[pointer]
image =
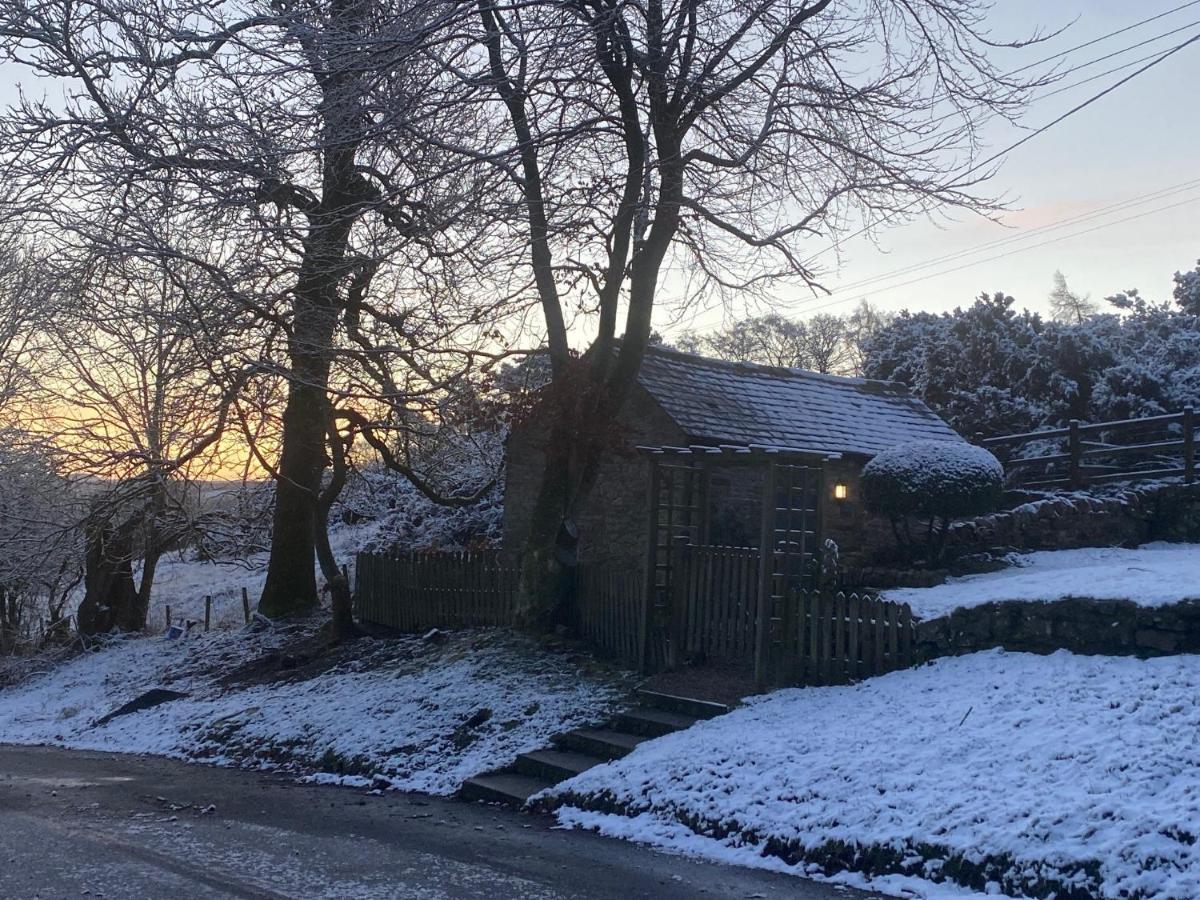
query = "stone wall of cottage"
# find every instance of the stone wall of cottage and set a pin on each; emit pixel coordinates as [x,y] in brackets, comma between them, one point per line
[613,526]
[860,535]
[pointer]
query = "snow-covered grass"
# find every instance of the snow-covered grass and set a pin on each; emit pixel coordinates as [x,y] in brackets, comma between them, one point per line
[999,771]
[182,582]
[401,713]
[1151,575]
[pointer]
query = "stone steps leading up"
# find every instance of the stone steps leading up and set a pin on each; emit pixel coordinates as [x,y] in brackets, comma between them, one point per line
[509,788]
[653,722]
[697,709]
[577,751]
[558,765]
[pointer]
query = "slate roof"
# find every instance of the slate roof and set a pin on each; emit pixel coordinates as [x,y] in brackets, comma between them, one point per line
[719,402]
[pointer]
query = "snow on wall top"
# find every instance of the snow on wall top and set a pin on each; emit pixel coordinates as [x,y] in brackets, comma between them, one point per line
[716,401]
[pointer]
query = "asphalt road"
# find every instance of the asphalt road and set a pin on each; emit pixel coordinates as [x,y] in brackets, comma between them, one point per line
[78,824]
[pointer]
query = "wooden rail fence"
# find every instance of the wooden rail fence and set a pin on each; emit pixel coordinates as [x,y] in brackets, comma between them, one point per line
[418,591]
[1126,449]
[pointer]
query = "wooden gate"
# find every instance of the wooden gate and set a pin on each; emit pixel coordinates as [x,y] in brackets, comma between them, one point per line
[812,636]
[789,486]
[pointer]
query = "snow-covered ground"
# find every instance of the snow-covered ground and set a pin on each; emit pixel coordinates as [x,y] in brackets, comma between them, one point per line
[1009,773]
[400,713]
[1150,575]
[182,583]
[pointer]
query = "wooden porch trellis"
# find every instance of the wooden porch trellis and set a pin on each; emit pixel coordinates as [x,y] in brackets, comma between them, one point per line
[788,543]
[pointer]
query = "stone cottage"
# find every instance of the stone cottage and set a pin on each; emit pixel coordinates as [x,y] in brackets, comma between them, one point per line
[695,441]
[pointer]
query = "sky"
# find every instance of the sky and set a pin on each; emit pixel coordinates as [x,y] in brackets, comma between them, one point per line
[1129,148]
[1133,143]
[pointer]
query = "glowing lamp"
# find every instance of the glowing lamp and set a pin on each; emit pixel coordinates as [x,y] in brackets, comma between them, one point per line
[840,491]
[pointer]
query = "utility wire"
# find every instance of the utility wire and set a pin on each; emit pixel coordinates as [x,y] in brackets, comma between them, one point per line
[1104,37]
[1084,65]
[1141,215]
[1079,107]
[1077,219]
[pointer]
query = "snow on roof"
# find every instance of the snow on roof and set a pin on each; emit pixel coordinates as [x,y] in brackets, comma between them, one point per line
[720,402]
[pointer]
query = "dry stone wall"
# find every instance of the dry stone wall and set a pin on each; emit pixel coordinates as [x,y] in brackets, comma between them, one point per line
[1080,625]
[1119,517]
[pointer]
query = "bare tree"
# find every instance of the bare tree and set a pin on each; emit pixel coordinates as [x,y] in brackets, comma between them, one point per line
[861,326]
[771,340]
[24,304]
[680,149]
[826,348]
[295,124]
[1068,306]
[144,366]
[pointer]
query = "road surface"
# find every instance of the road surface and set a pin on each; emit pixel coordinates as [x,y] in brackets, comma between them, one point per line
[80,824]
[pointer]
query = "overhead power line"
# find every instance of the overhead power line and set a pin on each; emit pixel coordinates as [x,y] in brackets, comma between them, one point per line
[1079,107]
[1088,64]
[1065,237]
[1024,235]
[1105,37]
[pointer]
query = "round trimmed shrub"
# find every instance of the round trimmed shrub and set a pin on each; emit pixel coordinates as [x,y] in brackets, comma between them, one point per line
[942,479]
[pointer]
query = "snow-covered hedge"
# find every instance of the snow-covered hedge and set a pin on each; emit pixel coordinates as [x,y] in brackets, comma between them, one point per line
[946,479]
[398,517]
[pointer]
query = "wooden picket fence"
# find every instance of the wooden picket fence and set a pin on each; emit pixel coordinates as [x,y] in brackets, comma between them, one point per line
[824,638]
[714,602]
[813,637]
[608,611]
[418,591]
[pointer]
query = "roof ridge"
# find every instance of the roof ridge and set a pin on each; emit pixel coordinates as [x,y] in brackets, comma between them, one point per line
[896,387]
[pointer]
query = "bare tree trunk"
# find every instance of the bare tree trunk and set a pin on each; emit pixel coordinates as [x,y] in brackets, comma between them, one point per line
[291,585]
[551,545]
[342,622]
[110,600]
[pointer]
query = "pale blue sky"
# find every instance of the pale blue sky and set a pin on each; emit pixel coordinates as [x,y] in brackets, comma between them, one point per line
[1141,139]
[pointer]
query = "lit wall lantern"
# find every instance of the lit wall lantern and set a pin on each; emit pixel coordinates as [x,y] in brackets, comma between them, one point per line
[841,491]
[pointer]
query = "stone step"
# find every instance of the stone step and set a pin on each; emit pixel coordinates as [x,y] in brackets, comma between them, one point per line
[699,709]
[509,788]
[653,722]
[557,765]
[602,742]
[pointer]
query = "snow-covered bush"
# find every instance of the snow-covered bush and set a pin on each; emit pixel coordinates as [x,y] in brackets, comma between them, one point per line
[394,516]
[989,369]
[935,481]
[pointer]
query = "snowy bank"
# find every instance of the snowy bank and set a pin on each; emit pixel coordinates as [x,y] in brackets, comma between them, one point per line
[399,713]
[1151,575]
[1001,772]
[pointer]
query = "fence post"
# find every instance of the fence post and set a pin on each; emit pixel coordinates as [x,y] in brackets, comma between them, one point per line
[1189,445]
[246,605]
[207,611]
[168,608]
[681,563]
[645,624]
[1075,449]
[766,574]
